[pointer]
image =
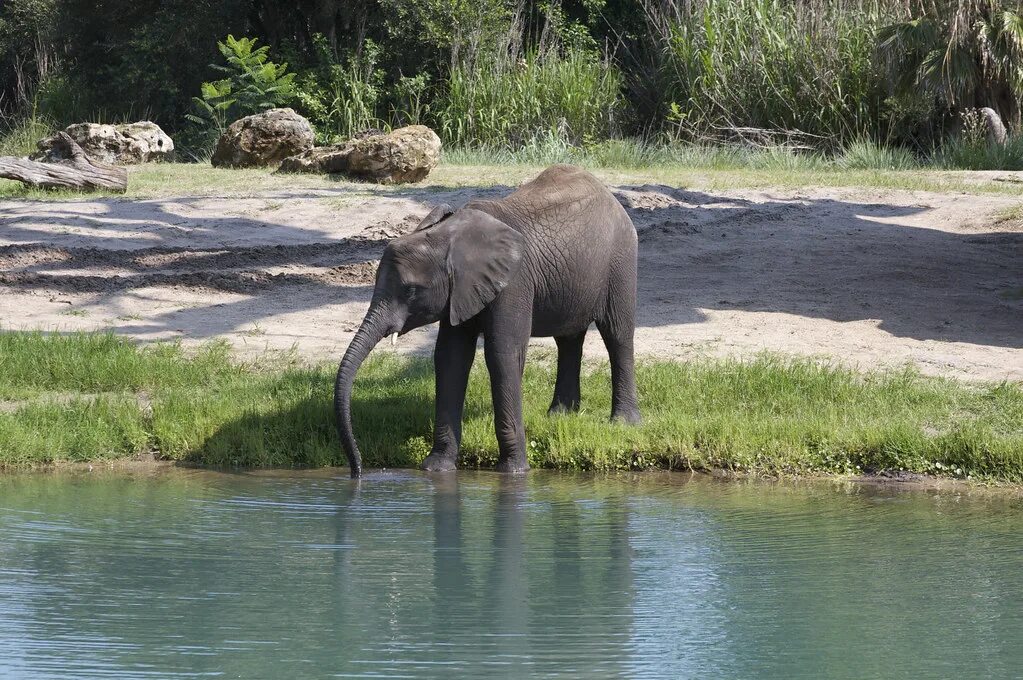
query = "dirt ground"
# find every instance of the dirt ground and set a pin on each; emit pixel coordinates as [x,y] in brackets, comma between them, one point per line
[868,277]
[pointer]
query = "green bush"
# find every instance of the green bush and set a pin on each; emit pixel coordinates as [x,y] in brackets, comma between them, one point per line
[341,98]
[961,54]
[864,154]
[961,153]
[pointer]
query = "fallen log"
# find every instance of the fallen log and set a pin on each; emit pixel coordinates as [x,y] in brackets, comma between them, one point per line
[78,171]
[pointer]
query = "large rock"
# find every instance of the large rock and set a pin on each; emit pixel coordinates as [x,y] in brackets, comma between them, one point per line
[994,128]
[407,154]
[263,139]
[125,144]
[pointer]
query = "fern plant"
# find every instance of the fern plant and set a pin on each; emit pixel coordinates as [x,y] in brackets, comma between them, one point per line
[251,83]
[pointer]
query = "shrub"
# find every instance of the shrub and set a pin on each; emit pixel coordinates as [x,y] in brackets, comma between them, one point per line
[252,84]
[962,54]
[341,98]
[963,153]
[972,150]
[864,154]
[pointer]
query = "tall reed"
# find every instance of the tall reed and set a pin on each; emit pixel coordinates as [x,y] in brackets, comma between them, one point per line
[575,96]
[803,67]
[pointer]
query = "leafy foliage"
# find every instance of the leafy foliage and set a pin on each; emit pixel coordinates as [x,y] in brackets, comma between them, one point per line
[341,97]
[252,83]
[962,53]
[533,75]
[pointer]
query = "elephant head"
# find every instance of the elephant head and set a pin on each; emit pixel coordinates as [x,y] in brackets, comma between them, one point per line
[451,266]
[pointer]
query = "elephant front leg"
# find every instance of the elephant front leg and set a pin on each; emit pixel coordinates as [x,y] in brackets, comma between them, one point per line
[506,361]
[452,360]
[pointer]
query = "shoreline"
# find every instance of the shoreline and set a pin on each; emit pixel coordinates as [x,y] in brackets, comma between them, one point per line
[892,480]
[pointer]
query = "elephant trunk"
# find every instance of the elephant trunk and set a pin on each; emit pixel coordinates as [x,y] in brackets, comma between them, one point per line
[372,331]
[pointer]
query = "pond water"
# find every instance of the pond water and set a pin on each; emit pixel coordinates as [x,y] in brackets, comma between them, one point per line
[187,573]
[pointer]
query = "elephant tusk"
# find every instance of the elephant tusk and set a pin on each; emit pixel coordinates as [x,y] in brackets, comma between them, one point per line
[394,339]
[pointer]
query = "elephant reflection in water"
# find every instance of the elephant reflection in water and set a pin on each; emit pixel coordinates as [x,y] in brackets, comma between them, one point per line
[553,593]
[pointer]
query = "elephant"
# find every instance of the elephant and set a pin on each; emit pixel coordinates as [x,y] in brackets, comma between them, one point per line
[554,256]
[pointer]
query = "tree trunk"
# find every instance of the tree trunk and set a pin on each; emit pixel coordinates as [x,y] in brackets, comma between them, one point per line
[77,172]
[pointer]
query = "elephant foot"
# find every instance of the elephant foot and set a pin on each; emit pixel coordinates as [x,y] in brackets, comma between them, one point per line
[512,465]
[627,417]
[562,407]
[438,463]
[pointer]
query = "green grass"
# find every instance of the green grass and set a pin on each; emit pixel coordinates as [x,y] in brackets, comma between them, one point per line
[91,397]
[621,162]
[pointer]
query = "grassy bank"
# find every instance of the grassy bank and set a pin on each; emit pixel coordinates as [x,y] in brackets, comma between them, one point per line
[705,170]
[95,397]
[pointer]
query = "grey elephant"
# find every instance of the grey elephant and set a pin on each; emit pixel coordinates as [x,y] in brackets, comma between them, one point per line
[554,256]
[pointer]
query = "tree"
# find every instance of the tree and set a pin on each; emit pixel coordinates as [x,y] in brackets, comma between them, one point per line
[963,53]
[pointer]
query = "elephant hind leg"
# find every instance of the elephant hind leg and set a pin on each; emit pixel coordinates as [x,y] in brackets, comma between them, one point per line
[617,328]
[566,389]
[624,399]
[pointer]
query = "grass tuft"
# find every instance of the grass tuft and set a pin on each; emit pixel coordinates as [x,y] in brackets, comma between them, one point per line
[88,397]
[965,154]
[864,154]
[21,137]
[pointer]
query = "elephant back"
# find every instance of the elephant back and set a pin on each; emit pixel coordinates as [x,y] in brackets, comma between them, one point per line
[564,201]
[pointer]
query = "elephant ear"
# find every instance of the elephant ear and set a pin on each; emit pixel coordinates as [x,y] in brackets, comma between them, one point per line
[436,215]
[485,253]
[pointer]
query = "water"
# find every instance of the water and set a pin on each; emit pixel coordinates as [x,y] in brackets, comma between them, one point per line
[186,574]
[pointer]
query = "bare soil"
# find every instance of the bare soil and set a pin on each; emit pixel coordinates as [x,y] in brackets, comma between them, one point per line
[867,277]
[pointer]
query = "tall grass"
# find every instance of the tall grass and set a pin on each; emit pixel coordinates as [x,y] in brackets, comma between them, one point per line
[864,154]
[20,136]
[571,97]
[962,153]
[87,397]
[775,65]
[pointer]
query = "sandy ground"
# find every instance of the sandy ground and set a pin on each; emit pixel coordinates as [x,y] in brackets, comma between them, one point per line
[865,276]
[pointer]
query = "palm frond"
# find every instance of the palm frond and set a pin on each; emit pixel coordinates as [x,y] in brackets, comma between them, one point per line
[902,49]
